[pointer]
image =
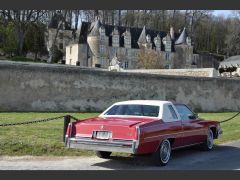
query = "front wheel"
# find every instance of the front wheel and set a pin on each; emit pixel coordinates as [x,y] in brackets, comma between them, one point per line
[162,155]
[103,154]
[208,144]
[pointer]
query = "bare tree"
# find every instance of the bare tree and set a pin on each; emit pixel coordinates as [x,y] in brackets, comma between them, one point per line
[149,59]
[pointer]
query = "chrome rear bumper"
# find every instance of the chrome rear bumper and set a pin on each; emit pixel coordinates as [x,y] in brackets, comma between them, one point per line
[127,146]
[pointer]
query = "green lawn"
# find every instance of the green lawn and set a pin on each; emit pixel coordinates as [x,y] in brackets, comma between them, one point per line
[231,129]
[36,139]
[46,138]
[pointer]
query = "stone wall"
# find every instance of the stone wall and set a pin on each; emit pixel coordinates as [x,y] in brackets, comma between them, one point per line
[201,72]
[207,60]
[61,88]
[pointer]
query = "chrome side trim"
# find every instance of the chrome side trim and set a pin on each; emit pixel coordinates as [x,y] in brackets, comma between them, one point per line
[180,147]
[187,131]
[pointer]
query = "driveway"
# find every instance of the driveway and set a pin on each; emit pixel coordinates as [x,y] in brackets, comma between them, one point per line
[223,157]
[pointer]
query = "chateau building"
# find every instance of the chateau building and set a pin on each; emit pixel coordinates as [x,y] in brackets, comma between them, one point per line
[100,43]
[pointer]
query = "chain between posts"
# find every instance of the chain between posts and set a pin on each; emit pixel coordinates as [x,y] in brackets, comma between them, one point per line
[74,118]
[37,121]
[226,120]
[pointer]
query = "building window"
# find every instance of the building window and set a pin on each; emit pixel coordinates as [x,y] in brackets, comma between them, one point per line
[167,56]
[60,45]
[126,65]
[70,49]
[60,35]
[102,48]
[102,37]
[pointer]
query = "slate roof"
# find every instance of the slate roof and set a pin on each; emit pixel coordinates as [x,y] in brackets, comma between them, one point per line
[135,34]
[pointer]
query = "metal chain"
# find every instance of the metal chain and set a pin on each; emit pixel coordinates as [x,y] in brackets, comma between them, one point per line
[31,122]
[230,118]
[74,118]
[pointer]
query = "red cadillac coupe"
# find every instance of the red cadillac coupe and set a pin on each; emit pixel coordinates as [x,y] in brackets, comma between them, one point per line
[143,127]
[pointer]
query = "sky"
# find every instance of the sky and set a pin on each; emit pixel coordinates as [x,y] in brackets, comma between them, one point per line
[224,13]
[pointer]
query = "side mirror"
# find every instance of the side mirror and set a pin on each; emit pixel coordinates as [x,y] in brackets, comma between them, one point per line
[193,116]
[196,115]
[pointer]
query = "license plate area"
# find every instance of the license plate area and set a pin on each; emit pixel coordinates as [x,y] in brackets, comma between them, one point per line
[102,135]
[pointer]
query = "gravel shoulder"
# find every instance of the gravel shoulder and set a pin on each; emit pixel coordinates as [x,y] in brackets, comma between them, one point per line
[223,157]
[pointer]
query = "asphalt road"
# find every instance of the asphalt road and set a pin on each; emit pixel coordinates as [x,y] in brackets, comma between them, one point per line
[223,157]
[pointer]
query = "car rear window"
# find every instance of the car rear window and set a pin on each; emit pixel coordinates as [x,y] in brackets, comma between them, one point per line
[134,110]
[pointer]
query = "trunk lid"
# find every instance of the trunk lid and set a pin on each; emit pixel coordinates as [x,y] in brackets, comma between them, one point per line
[118,127]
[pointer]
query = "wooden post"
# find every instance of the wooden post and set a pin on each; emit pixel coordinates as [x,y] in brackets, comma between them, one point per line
[67,120]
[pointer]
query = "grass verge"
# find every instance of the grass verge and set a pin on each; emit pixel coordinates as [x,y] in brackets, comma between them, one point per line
[46,138]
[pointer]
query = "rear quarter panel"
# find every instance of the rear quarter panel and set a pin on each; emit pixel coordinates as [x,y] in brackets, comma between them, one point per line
[153,133]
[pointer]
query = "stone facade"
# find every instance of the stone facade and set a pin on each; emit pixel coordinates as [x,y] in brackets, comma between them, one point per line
[105,42]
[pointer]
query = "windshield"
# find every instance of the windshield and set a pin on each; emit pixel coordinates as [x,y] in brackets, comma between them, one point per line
[134,110]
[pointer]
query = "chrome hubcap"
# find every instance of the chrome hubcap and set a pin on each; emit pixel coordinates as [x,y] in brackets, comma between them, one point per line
[165,151]
[210,139]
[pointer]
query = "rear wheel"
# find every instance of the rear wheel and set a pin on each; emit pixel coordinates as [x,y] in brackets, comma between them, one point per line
[208,144]
[103,154]
[162,155]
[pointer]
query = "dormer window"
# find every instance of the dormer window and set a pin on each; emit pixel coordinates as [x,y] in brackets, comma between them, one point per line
[168,44]
[127,42]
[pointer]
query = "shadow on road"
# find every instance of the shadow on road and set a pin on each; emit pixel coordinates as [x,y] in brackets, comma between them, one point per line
[223,157]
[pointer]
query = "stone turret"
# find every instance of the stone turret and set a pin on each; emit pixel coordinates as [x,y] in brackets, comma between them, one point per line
[93,41]
[182,38]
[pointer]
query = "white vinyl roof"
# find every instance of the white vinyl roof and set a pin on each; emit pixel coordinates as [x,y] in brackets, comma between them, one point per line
[163,111]
[144,102]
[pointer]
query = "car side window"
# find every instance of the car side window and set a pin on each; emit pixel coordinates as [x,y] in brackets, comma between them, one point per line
[169,114]
[172,111]
[184,111]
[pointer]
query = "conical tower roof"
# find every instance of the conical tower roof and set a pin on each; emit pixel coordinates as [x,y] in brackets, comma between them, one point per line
[94,28]
[182,38]
[142,38]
